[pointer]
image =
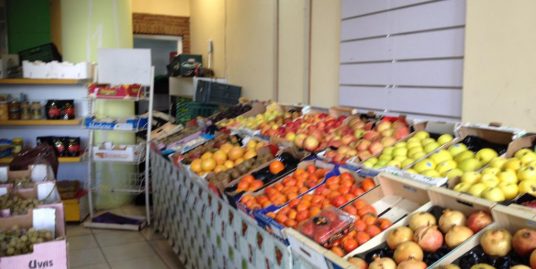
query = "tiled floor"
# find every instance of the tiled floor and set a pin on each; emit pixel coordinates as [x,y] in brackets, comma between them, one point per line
[111,249]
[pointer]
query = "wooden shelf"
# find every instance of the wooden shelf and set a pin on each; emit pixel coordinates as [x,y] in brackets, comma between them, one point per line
[40,122]
[7,160]
[30,81]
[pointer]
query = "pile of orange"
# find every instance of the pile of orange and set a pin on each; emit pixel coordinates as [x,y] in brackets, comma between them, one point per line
[249,183]
[337,191]
[366,226]
[287,189]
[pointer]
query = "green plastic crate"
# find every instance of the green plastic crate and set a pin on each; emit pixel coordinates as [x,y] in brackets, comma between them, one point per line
[188,110]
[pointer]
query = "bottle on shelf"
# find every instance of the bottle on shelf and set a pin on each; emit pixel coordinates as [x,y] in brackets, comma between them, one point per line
[4,110]
[14,109]
[36,110]
[25,113]
[18,144]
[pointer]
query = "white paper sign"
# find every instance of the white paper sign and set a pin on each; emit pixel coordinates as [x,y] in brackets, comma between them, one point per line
[45,219]
[46,190]
[3,191]
[124,66]
[39,172]
[3,173]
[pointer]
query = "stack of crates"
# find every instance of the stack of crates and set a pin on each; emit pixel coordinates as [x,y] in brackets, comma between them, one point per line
[186,110]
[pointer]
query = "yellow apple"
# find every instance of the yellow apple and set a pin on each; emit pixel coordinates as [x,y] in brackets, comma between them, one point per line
[431,173]
[388,150]
[522,152]
[491,170]
[454,173]
[464,155]
[490,180]
[462,187]
[424,165]
[526,173]
[477,189]
[445,166]
[497,162]
[470,164]
[507,176]
[528,158]
[485,155]
[407,162]
[510,190]
[441,156]
[427,141]
[457,149]
[400,145]
[417,155]
[421,135]
[512,164]
[411,171]
[493,194]
[444,139]
[527,186]
[471,177]
[394,163]
[431,147]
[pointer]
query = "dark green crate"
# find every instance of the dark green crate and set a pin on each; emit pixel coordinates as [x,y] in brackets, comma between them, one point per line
[188,110]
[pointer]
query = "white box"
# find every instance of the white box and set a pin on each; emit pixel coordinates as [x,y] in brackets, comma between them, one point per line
[36,69]
[118,153]
[67,70]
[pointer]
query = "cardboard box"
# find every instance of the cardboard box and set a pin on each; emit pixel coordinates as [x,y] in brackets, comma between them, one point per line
[67,70]
[393,199]
[45,192]
[76,209]
[51,254]
[130,124]
[508,218]
[119,153]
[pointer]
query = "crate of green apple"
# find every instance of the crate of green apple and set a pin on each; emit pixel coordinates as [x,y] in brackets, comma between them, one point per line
[506,178]
[431,232]
[508,243]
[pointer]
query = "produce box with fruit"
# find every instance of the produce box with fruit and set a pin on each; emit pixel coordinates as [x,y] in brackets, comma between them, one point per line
[308,175]
[340,187]
[15,201]
[374,212]
[266,174]
[429,233]
[508,243]
[35,240]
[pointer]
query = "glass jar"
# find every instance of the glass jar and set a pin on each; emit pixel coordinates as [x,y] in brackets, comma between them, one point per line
[25,113]
[14,110]
[4,111]
[18,144]
[36,110]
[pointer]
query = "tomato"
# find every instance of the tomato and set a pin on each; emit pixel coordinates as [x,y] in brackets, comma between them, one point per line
[362,237]
[276,167]
[349,244]
[368,184]
[373,230]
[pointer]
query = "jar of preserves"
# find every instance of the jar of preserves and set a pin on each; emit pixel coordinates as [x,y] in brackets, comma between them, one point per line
[36,110]
[18,143]
[4,111]
[25,113]
[14,110]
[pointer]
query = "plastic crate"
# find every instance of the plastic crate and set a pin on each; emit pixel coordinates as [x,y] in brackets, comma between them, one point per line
[45,53]
[188,110]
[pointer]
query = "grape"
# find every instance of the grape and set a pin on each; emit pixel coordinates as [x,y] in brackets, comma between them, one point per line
[17,205]
[17,240]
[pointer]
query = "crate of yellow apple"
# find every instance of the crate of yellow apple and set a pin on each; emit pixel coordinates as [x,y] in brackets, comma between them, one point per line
[225,157]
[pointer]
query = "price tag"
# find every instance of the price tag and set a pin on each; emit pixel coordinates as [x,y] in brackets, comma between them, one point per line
[45,219]
[3,173]
[39,172]
[46,190]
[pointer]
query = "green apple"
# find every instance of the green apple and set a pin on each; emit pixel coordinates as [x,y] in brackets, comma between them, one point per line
[528,158]
[407,162]
[527,186]
[381,163]
[431,147]
[491,170]
[388,150]
[444,139]
[441,156]
[507,176]
[464,155]
[462,187]
[522,152]
[494,194]
[445,166]
[411,171]
[485,155]
[427,141]
[512,164]
[510,190]
[368,164]
[454,173]
[457,149]
[400,145]
[400,158]
[477,189]
[394,163]
[373,160]
[424,165]
[497,162]
[417,155]
[471,177]
[431,173]
[490,180]
[385,157]
[400,152]
[527,173]
[421,135]
[469,165]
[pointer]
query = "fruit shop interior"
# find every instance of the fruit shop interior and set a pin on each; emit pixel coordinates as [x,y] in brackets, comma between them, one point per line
[267,134]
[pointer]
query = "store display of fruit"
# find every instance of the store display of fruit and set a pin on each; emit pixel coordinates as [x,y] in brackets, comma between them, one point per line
[367,225]
[23,182]
[327,227]
[249,183]
[210,146]
[224,177]
[364,139]
[231,112]
[499,248]
[16,204]
[503,178]
[428,236]
[180,135]
[290,187]
[405,153]
[273,117]
[337,191]
[16,241]
[226,156]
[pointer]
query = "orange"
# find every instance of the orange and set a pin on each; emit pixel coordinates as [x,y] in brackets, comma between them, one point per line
[248,178]
[206,155]
[220,157]
[313,211]
[291,223]
[369,219]
[367,184]
[349,244]
[302,215]
[236,153]
[383,223]
[360,225]
[196,165]
[311,168]
[208,165]
[362,237]
[292,214]
[255,185]
[346,177]
[373,230]
[276,167]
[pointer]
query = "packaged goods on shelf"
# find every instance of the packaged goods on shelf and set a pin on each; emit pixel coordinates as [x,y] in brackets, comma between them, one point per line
[128,124]
[65,146]
[60,109]
[126,91]
[119,153]
[56,70]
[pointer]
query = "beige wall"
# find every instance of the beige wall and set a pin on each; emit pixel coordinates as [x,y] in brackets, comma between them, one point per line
[499,75]
[249,53]
[162,7]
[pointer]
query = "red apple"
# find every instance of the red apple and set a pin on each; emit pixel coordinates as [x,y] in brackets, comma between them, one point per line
[363,145]
[388,132]
[311,143]
[359,133]
[388,141]
[300,138]
[375,148]
[347,139]
[401,132]
[384,125]
[371,135]
[364,155]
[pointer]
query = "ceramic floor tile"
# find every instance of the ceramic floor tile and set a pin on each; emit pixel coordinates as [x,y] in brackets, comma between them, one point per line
[125,252]
[82,242]
[76,230]
[107,238]
[152,262]
[94,266]
[85,257]
[165,252]
[151,235]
